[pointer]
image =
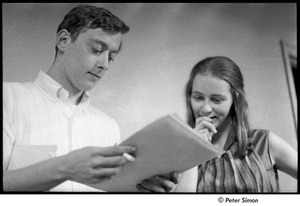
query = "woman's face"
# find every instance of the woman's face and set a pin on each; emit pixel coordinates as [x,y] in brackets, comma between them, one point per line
[211,97]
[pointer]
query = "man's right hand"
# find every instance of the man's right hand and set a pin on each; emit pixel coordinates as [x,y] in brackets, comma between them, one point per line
[91,165]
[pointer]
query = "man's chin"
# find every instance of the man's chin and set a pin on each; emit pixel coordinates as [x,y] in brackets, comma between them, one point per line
[88,87]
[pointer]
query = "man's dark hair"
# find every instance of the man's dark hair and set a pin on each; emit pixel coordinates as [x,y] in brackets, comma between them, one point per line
[84,17]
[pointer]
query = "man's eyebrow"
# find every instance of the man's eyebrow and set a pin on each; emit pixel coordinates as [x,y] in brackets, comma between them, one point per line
[97,41]
[104,45]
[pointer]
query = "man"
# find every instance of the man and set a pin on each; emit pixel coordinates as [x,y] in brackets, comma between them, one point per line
[55,110]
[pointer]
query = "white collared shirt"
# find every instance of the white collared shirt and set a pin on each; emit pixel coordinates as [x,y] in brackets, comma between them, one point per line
[39,113]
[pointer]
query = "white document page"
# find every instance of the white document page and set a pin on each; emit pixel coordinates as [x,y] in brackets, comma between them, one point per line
[166,145]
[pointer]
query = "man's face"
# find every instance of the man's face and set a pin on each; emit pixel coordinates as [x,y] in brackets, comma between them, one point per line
[88,57]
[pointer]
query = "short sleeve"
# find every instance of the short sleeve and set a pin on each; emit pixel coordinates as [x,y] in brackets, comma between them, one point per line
[9,132]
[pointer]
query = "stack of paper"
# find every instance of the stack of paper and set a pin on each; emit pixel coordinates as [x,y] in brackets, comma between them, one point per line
[166,145]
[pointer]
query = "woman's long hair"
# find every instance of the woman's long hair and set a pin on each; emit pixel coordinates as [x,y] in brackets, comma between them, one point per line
[225,69]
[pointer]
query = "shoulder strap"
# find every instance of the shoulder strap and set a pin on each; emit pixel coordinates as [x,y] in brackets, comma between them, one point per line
[260,141]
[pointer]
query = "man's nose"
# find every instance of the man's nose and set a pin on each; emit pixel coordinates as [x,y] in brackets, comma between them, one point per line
[103,61]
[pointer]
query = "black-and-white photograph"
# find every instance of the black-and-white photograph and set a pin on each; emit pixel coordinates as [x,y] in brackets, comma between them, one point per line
[143,98]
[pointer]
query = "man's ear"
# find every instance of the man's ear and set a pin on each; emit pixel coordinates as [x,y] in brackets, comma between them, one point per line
[63,39]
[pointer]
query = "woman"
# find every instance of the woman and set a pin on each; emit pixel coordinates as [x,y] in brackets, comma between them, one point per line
[217,109]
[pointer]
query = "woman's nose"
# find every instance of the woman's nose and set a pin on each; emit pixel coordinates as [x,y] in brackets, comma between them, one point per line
[205,110]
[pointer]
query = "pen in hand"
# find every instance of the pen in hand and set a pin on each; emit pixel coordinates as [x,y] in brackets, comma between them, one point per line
[127,156]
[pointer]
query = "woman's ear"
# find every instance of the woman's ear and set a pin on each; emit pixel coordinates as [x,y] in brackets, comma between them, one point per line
[63,39]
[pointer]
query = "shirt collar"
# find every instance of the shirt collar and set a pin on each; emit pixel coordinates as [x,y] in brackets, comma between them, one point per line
[54,91]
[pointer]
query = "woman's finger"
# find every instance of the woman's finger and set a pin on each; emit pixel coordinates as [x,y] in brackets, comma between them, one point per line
[167,184]
[152,187]
[200,119]
[142,189]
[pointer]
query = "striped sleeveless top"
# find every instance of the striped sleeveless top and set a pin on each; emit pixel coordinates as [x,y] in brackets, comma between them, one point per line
[253,173]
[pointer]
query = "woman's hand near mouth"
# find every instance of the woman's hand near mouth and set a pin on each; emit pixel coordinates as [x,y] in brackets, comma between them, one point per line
[205,128]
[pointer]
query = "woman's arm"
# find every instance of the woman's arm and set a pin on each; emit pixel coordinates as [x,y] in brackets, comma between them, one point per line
[283,155]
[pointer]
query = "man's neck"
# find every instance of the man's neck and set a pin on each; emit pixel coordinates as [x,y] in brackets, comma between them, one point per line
[75,99]
[55,72]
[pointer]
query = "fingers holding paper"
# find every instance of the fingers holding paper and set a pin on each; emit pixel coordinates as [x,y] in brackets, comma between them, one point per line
[159,184]
[92,165]
[205,128]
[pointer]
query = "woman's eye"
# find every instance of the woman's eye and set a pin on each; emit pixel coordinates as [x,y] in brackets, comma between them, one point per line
[197,98]
[218,101]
